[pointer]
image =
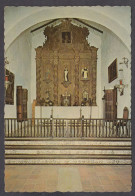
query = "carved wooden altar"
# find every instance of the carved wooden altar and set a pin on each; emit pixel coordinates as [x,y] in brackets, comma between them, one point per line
[65,64]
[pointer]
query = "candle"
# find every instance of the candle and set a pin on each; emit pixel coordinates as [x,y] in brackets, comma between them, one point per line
[6,78]
[120,82]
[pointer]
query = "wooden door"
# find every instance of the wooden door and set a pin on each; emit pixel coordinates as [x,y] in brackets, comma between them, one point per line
[111,104]
[19,94]
[22,97]
[25,96]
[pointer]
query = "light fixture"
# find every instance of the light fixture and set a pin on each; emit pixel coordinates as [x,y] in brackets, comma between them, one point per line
[121,86]
[125,61]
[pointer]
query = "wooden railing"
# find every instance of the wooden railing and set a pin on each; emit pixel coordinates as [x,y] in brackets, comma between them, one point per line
[67,128]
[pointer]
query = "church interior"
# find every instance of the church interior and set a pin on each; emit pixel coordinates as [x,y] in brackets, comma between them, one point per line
[68,95]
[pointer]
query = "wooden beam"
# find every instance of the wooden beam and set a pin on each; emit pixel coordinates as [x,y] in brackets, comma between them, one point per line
[73,18]
[44,25]
[88,25]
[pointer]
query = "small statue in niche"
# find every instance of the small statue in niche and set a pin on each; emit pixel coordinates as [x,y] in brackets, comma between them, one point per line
[66,75]
[47,96]
[47,78]
[48,102]
[85,96]
[66,81]
[84,73]
[76,101]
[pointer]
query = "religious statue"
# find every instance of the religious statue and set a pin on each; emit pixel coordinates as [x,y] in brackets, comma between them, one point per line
[47,96]
[66,81]
[47,78]
[85,96]
[66,75]
[84,73]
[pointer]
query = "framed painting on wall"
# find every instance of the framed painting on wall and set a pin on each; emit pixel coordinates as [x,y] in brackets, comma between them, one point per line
[9,90]
[112,71]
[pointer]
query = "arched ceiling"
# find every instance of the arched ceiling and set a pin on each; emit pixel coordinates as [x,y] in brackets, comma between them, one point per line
[19,19]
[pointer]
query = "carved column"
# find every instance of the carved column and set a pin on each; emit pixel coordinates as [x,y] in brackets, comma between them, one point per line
[94,75]
[55,78]
[38,77]
[76,98]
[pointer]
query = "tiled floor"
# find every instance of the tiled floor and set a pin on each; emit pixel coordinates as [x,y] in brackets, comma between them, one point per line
[73,178]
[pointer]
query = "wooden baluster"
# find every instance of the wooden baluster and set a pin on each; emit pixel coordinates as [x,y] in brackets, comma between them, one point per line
[63,128]
[17,128]
[11,127]
[70,128]
[56,127]
[86,127]
[103,126]
[24,128]
[37,127]
[82,126]
[92,128]
[21,128]
[47,126]
[96,127]
[5,128]
[89,126]
[60,128]
[106,128]
[34,124]
[109,128]
[31,127]
[51,126]
[130,129]
[74,128]
[44,126]
[14,128]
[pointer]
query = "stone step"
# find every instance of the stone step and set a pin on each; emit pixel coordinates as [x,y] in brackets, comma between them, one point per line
[66,139]
[66,147]
[67,161]
[67,151]
[68,156]
[68,142]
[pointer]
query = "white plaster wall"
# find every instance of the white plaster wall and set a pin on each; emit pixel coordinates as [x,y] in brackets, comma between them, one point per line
[19,57]
[66,112]
[37,39]
[111,49]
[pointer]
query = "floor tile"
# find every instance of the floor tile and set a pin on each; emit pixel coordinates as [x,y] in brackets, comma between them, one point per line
[63,178]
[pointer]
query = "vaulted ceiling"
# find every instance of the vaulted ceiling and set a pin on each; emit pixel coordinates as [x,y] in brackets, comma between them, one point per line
[116,19]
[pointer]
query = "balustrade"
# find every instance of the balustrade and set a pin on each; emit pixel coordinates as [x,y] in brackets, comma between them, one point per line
[67,128]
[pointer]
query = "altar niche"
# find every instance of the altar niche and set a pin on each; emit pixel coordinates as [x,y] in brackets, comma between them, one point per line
[66,65]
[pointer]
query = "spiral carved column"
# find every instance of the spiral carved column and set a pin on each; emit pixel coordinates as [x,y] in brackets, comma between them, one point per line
[76,98]
[38,79]
[94,71]
[55,80]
